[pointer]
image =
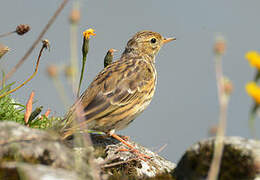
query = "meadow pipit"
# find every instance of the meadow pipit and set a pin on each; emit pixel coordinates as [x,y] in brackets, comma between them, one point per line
[122,90]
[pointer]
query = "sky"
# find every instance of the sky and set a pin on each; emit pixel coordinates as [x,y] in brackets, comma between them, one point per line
[185,104]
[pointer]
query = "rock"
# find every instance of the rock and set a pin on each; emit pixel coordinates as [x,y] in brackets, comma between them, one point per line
[19,143]
[16,170]
[33,151]
[126,163]
[22,144]
[240,160]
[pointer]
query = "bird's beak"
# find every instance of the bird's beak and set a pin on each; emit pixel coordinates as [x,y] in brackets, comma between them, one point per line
[166,40]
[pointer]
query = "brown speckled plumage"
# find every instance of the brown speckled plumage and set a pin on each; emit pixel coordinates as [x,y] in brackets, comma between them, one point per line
[123,89]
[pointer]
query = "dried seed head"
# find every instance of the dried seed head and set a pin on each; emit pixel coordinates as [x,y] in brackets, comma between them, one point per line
[220,46]
[228,86]
[22,29]
[52,70]
[213,130]
[46,44]
[3,50]
[112,51]
[74,16]
[69,71]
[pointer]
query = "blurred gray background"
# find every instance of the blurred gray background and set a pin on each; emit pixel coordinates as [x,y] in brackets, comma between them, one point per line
[185,105]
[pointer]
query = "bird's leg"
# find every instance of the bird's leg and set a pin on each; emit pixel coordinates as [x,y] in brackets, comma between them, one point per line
[126,138]
[132,148]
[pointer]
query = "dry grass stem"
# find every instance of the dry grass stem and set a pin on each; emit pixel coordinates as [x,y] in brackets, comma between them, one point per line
[118,163]
[6,34]
[45,29]
[161,148]
[61,91]
[74,19]
[44,46]
[223,102]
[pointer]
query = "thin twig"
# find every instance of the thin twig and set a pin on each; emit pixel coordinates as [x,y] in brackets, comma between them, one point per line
[74,55]
[74,49]
[45,29]
[7,34]
[83,140]
[61,91]
[161,148]
[118,163]
[34,73]
[219,141]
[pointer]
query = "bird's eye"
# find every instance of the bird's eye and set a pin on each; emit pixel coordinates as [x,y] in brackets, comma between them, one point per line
[153,40]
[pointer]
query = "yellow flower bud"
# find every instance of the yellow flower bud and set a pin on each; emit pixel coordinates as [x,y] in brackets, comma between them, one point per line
[88,33]
[254,58]
[253,90]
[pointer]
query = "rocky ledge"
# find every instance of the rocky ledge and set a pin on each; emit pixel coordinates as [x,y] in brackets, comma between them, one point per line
[32,154]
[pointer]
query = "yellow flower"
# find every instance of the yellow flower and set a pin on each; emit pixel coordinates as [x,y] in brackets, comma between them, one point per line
[254,58]
[88,33]
[253,90]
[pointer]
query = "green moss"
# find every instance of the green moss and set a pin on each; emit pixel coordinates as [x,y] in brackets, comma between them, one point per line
[234,165]
[9,110]
[45,123]
[125,169]
[13,111]
[9,173]
[99,152]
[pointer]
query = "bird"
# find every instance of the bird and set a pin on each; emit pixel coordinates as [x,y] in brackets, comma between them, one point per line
[121,91]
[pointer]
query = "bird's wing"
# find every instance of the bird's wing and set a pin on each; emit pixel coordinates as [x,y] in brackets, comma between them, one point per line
[119,84]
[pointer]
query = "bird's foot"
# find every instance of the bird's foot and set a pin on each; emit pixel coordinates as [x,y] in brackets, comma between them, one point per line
[136,152]
[131,148]
[126,138]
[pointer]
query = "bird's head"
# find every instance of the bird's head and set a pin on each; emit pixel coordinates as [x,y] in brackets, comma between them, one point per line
[146,43]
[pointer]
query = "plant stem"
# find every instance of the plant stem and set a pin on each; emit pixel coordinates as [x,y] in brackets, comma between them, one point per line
[74,54]
[84,59]
[74,50]
[39,38]
[219,141]
[85,48]
[252,114]
[6,34]
[61,91]
[34,73]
